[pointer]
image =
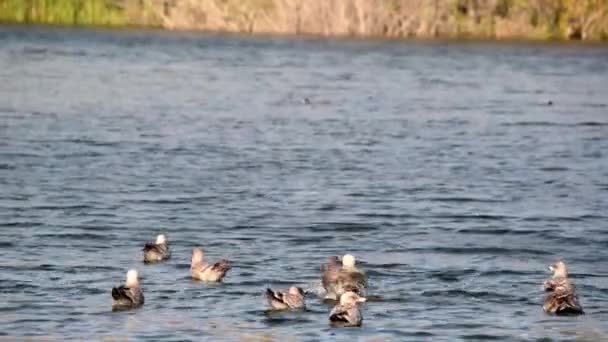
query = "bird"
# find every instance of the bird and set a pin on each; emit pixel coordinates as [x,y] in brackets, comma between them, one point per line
[158,251]
[561,298]
[200,270]
[292,299]
[130,295]
[338,279]
[347,313]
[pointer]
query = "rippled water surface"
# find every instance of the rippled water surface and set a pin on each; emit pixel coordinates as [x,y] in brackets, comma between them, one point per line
[442,167]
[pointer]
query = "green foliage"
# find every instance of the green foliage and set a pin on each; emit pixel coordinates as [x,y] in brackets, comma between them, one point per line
[63,12]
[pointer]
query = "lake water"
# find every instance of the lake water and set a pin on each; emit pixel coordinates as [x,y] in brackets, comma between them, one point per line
[441,166]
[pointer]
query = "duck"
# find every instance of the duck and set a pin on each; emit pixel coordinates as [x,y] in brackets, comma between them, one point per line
[293,299]
[347,313]
[200,270]
[129,295]
[561,298]
[158,251]
[338,279]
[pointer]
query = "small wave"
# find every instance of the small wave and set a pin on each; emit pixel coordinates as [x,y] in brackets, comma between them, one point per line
[531,123]
[485,337]
[310,240]
[35,51]
[9,155]
[562,218]
[328,207]
[421,333]
[386,215]
[5,166]
[474,217]
[464,200]
[591,123]
[594,105]
[341,227]
[485,295]
[19,287]
[554,124]
[77,236]
[162,201]
[24,224]
[496,231]
[451,275]
[506,273]
[92,143]
[61,207]
[86,154]
[554,168]
[481,250]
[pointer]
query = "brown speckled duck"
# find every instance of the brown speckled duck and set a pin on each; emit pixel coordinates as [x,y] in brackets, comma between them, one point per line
[561,298]
[338,279]
[128,296]
[292,299]
[347,313]
[200,270]
[159,251]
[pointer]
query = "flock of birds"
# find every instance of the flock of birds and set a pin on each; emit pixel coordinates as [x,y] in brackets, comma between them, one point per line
[341,280]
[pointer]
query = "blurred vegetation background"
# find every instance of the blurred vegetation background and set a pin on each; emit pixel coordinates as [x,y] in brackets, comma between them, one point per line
[494,19]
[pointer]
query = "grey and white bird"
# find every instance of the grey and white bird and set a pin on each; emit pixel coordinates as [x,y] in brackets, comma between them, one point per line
[200,270]
[561,298]
[130,295]
[292,299]
[338,279]
[347,312]
[158,251]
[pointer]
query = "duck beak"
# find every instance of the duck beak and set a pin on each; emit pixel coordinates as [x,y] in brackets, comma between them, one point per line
[361,299]
[552,268]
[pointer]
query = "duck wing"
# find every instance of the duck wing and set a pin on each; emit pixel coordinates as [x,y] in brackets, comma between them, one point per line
[217,271]
[276,299]
[563,300]
[222,266]
[160,248]
[345,315]
[156,252]
[339,314]
[150,247]
[351,281]
[127,296]
[549,285]
[556,283]
[122,293]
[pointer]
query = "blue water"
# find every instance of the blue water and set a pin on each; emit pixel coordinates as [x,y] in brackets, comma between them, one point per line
[441,166]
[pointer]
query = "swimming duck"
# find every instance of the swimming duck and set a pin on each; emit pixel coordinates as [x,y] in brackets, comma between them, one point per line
[200,270]
[159,251]
[562,298]
[292,299]
[347,313]
[128,296]
[340,279]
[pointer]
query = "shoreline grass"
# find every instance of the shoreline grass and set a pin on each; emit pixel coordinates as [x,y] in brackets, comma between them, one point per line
[529,20]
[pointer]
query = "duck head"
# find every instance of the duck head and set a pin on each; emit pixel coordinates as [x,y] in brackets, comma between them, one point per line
[298,291]
[559,270]
[160,239]
[132,278]
[197,256]
[351,298]
[348,261]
